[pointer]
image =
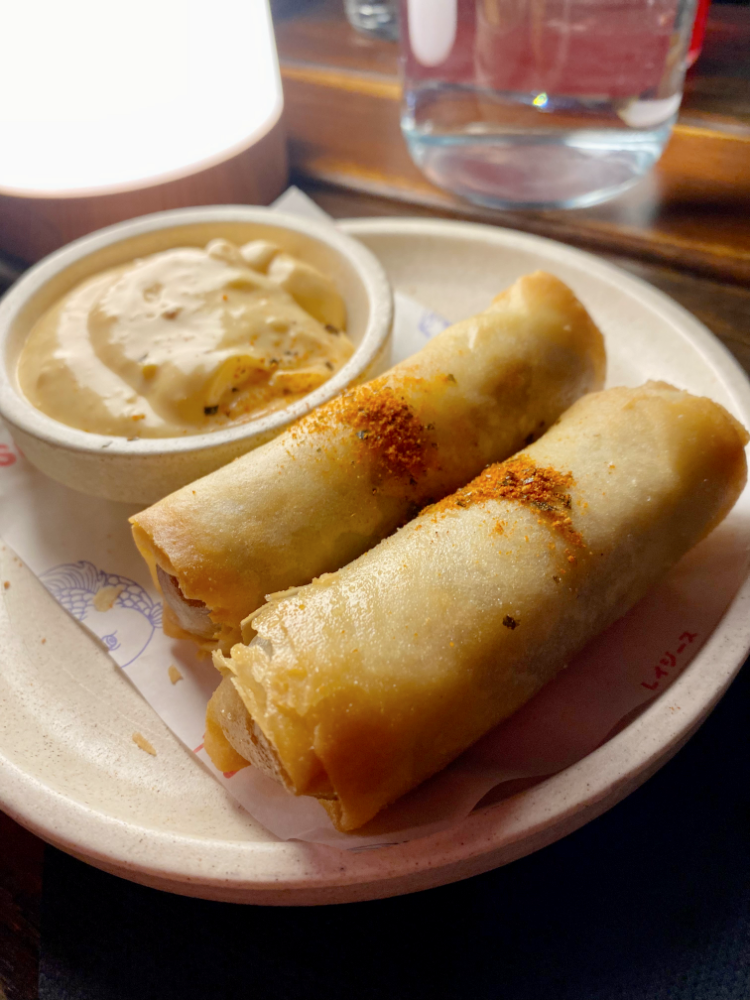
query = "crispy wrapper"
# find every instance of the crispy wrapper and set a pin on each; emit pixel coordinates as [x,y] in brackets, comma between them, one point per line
[369,680]
[354,470]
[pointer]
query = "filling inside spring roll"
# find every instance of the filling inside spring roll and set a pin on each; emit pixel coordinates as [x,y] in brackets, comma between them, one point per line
[364,683]
[354,470]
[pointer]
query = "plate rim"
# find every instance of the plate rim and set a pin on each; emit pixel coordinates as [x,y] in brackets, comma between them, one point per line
[293,872]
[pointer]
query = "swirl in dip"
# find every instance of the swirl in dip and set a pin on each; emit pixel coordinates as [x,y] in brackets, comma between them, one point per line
[186,341]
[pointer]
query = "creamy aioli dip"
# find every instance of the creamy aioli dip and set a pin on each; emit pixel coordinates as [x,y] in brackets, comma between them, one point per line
[186,341]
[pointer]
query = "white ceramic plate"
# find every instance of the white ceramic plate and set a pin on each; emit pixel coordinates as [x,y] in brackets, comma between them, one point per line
[70,772]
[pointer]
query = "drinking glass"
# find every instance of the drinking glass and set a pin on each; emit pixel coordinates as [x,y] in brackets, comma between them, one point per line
[541,103]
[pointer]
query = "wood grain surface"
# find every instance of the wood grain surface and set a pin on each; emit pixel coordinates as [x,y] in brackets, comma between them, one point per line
[693,211]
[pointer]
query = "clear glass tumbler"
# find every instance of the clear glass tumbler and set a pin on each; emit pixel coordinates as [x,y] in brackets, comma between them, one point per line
[541,103]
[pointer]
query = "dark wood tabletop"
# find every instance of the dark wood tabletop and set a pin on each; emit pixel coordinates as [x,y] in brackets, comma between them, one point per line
[685,229]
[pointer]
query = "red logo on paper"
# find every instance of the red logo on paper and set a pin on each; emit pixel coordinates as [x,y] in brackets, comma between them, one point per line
[669,660]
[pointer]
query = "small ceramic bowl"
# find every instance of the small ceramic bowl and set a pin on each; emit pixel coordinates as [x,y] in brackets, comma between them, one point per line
[145,470]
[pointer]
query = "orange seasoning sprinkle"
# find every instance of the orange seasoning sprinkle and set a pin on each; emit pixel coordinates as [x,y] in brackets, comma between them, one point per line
[519,480]
[382,420]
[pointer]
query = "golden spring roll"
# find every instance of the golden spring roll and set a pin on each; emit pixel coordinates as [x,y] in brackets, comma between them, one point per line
[352,471]
[364,683]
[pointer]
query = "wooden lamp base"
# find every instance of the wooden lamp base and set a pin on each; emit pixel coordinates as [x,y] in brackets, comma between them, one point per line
[33,226]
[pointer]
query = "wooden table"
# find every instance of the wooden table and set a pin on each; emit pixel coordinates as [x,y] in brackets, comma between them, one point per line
[686,229]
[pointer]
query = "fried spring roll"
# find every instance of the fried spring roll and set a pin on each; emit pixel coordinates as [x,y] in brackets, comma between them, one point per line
[367,681]
[352,471]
